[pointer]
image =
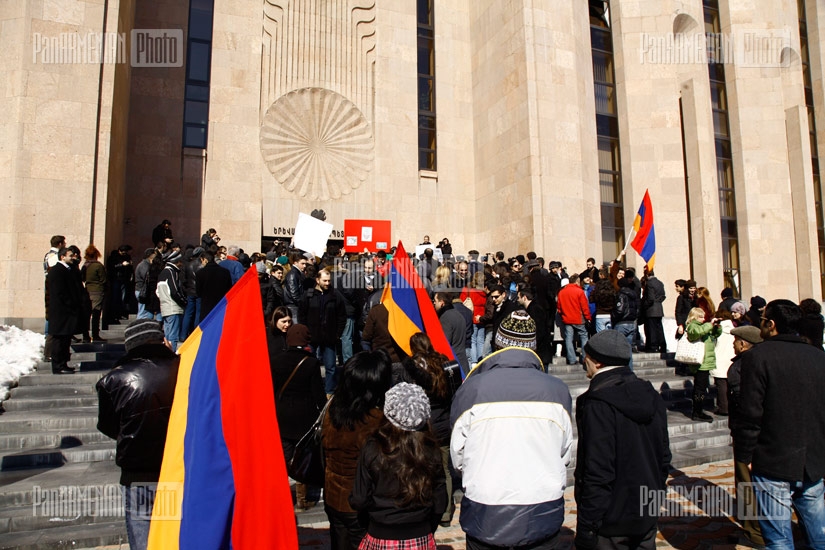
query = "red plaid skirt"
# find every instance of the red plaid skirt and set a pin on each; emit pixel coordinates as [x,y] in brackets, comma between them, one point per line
[421,543]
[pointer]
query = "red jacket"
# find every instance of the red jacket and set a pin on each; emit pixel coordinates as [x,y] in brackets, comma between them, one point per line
[573,305]
[479,298]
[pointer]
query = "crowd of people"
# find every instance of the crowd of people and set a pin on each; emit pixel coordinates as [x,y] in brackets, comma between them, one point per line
[399,438]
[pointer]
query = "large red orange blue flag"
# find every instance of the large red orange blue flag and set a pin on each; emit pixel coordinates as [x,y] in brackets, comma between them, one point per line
[223,483]
[645,240]
[409,306]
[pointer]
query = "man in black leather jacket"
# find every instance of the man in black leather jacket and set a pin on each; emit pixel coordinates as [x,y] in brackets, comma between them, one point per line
[135,400]
[294,284]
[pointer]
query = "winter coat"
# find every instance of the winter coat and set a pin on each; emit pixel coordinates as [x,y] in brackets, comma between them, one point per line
[683,306]
[512,440]
[65,301]
[303,397]
[170,292]
[455,329]
[707,333]
[376,491]
[623,452]
[94,275]
[781,428]
[626,308]
[573,305]
[234,267]
[293,287]
[604,296]
[653,298]
[325,315]
[723,350]
[135,400]
[212,283]
[341,450]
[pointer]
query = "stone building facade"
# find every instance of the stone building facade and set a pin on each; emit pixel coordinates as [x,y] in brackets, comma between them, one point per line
[542,124]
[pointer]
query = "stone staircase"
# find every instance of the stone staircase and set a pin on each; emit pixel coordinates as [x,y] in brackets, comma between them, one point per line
[49,441]
[58,480]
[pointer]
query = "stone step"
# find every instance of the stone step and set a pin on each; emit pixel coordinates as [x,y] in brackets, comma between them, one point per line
[656,369]
[638,366]
[50,439]
[78,389]
[112,533]
[55,510]
[37,458]
[46,378]
[17,486]
[75,418]
[108,348]
[37,404]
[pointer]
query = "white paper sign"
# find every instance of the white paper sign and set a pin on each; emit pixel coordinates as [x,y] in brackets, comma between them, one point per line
[381,245]
[311,234]
[366,234]
[352,240]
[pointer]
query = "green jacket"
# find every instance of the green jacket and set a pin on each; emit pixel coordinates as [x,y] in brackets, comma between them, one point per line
[94,275]
[707,333]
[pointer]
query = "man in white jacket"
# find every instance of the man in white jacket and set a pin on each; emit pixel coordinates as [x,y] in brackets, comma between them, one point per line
[512,439]
[172,297]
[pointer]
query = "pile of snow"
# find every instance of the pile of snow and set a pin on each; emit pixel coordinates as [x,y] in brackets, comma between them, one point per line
[20,351]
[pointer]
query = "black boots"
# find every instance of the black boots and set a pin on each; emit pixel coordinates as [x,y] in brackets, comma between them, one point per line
[698,413]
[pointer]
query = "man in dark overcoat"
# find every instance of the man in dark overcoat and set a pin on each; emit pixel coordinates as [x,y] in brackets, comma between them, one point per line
[65,304]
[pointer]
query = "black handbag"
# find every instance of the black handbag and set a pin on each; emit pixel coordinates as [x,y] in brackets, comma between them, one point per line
[307,463]
[453,372]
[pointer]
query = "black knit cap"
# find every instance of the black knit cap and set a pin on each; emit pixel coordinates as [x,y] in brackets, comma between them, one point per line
[609,347]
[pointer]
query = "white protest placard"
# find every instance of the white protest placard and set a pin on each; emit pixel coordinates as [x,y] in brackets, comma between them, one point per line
[311,234]
[366,234]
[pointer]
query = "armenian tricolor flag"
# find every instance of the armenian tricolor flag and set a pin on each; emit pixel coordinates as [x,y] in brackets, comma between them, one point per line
[410,307]
[223,483]
[645,240]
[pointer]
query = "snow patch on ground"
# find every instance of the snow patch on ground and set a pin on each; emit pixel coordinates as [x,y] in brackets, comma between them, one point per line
[20,351]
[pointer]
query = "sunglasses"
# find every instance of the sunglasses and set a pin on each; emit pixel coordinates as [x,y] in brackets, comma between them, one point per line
[495,296]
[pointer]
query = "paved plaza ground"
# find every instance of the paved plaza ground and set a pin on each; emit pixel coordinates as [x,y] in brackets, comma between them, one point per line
[700,495]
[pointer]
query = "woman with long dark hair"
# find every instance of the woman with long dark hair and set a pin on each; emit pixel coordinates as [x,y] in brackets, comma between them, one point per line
[399,481]
[426,368]
[353,416]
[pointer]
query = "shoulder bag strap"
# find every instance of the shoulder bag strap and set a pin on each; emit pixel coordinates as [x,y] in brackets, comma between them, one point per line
[288,380]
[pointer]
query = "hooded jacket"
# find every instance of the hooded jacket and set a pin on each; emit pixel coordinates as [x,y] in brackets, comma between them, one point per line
[623,446]
[170,292]
[512,439]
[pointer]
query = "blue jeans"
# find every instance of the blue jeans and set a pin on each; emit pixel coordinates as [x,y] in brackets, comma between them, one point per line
[602,322]
[775,497]
[327,356]
[477,344]
[487,348]
[143,314]
[570,348]
[138,511]
[171,329]
[191,316]
[628,330]
[346,339]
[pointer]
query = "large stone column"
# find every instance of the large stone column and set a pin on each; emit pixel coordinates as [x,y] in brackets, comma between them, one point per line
[534,112]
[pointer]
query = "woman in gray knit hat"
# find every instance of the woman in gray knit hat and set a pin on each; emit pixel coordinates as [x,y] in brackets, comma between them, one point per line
[400,481]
